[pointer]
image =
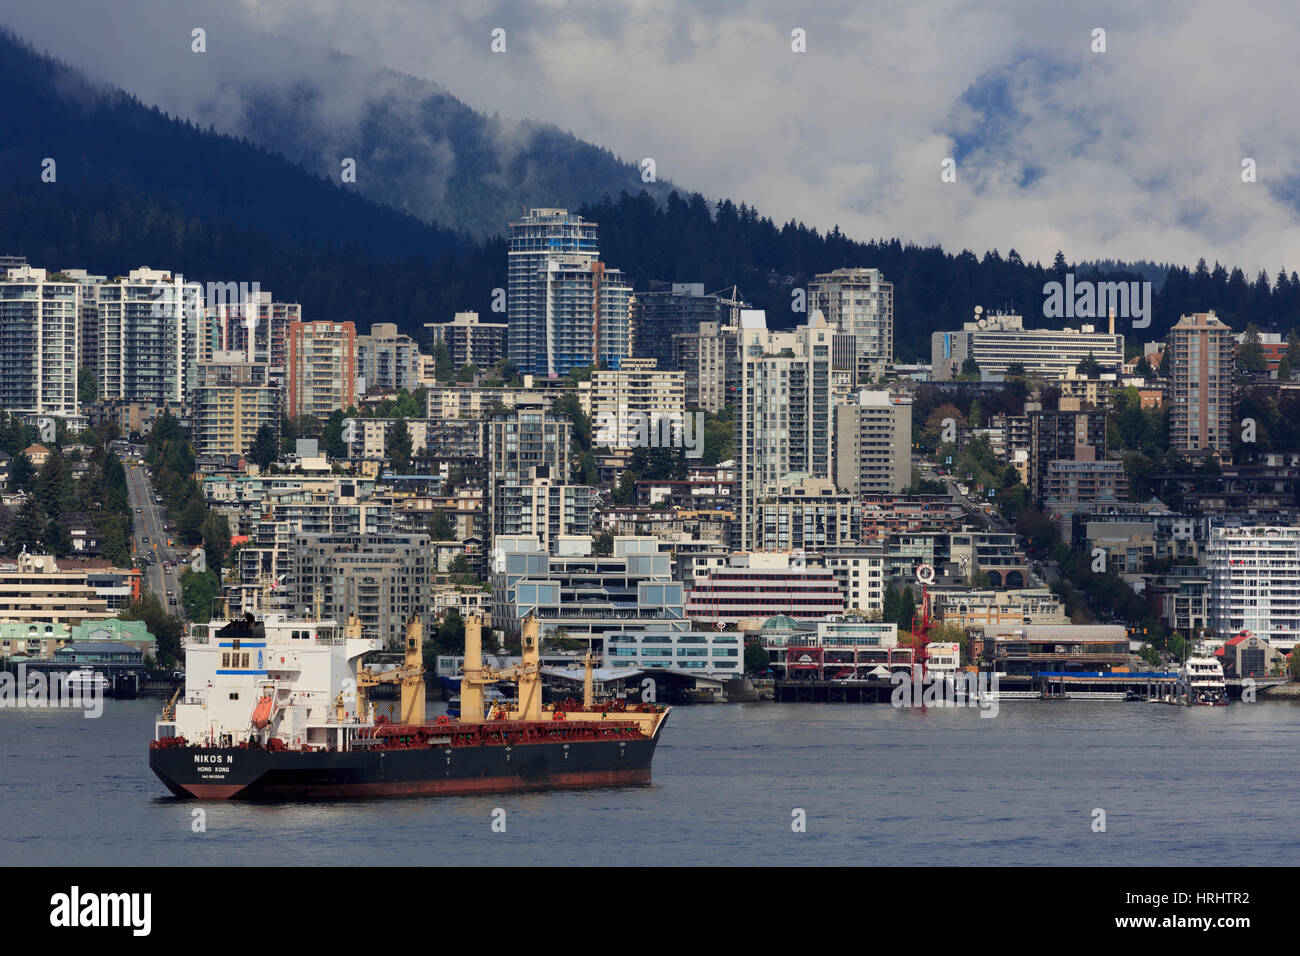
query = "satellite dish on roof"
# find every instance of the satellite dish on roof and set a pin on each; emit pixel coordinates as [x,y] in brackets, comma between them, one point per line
[979,310]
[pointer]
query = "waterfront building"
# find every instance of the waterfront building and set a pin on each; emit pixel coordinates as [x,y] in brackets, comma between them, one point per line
[760,584]
[579,595]
[1255,582]
[718,654]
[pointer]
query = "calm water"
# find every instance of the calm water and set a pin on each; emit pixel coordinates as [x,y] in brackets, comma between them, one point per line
[1183,786]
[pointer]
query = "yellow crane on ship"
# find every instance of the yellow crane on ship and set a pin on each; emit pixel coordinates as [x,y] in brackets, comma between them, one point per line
[410,676]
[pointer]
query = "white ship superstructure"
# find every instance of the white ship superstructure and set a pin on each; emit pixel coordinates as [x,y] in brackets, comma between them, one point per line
[278,678]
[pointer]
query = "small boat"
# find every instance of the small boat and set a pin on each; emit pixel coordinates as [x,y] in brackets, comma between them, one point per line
[86,680]
[1200,683]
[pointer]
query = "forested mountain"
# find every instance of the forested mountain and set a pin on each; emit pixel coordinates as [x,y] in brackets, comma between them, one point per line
[685,239]
[135,187]
[99,135]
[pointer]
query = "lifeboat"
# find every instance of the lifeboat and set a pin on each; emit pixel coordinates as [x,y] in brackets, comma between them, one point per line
[262,712]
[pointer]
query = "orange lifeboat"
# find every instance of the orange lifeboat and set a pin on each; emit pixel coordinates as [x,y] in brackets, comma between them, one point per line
[262,712]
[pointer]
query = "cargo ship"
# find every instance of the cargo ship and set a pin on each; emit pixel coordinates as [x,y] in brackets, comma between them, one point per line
[278,709]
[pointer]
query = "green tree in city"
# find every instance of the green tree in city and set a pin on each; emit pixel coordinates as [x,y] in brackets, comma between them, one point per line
[215,532]
[1293,349]
[189,527]
[57,539]
[54,487]
[333,435]
[87,386]
[28,528]
[970,370]
[265,448]
[906,609]
[443,369]
[398,446]
[892,602]
[719,437]
[1250,354]
[22,473]
[440,528]
[166,630]
[757,658]
[199,592]
[1089,367]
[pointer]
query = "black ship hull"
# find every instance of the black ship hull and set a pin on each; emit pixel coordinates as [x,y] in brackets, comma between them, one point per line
[226,773]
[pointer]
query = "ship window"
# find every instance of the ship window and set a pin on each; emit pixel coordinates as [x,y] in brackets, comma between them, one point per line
[225,660]
[234,697]
[245,661]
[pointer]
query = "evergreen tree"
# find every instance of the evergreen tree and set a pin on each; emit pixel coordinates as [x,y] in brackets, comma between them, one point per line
[333,434]
[1250,354]
[53,487]
[906,610]
[215,532]
[21,473]
[892,603]
[398,447]
[189,528]
[439,527]
[265,448]
[87,386]
[28,529]
[57,539]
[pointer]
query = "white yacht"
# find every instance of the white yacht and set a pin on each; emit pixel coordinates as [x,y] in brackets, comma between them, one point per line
[1200,681]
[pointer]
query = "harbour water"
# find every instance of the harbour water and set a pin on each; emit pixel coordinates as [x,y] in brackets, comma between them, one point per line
[878,785]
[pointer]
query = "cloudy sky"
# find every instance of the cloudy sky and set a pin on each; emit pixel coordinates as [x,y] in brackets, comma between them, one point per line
[1135,152]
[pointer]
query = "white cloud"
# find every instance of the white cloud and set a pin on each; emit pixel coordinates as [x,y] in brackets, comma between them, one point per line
[1134,153]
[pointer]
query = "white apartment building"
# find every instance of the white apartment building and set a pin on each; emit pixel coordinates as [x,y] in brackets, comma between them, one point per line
[39,344]
[785,425]
[861,303]
[1255,582]
[150,325]
[627,402]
